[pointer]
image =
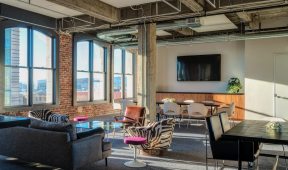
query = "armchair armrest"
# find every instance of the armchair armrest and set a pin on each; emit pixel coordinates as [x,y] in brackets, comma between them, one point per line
[87,150]
[140,131]
[117,118]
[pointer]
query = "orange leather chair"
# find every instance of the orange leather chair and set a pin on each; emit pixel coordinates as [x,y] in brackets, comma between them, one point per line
[134,116]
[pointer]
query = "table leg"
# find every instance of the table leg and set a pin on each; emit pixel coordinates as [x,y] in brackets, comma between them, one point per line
[239,156]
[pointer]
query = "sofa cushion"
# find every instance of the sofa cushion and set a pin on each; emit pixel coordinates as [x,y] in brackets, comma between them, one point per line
[53,126]
[90,132]
[49,116]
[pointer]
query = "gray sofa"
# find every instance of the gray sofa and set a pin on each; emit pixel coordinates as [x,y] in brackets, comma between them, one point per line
[52,148]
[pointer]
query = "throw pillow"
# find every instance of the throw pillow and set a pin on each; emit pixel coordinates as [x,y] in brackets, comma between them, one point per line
[57,127]
[49,116]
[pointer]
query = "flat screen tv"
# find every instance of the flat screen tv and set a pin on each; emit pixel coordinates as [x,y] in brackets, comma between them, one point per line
[199,68]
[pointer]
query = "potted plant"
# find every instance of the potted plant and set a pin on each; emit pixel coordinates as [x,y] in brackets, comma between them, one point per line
[168,100]
[234,85]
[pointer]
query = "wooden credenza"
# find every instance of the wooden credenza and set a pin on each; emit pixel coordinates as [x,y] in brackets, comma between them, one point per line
[223,98]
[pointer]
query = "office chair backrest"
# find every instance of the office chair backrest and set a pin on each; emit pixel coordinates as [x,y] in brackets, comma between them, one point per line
[214,128]
[225,121]
[171,107]
[197,108]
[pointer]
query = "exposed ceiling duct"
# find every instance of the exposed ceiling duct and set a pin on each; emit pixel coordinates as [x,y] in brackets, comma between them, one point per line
[214,38]
[201,24]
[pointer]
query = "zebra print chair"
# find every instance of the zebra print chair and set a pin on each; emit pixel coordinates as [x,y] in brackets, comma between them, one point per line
[49,116]
[158,134]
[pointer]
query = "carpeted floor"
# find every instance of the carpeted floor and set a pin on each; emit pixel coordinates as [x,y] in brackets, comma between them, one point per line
[186,153]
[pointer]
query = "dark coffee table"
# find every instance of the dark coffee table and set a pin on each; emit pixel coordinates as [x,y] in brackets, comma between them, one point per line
[11,121]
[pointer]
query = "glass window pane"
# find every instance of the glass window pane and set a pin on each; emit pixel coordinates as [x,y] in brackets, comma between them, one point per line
[83,56]
[83,86]
[16,46]
[117,86]
[98,58]
[117,61]
[42,86]
[129,63]
[16,86]
[129,86]
[42,50]
[99,86]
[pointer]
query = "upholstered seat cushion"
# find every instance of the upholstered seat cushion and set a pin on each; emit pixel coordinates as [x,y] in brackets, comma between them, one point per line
[80,118]
[135,140]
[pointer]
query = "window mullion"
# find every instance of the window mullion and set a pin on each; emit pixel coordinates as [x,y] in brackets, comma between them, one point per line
[123,73]
[30,66]
[54,70]
[104,72]
[91,55]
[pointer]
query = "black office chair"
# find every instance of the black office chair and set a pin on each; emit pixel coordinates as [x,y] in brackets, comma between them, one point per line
[224,118]
[226,125]
[225,149]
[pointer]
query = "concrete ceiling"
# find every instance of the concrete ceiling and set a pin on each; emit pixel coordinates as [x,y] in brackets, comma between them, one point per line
[126,3]
[40,7]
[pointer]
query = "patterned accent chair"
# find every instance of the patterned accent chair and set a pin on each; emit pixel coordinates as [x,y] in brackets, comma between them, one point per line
[47,115]
[158,134]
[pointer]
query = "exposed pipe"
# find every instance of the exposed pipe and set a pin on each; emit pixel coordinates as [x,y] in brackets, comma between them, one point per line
[250,3]
[152,16]
[190,15]
[28,22]
[169,16]
[107,35]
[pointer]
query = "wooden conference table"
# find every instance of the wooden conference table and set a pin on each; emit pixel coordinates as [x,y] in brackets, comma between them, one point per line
[209,104]
[255,130]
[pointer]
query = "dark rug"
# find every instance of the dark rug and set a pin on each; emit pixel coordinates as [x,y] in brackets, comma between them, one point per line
[186,153]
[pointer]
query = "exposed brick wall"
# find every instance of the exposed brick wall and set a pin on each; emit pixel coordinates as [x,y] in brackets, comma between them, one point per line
[66,88]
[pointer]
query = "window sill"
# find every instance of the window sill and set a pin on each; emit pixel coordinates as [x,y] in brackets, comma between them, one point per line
[84,103]
[28,108]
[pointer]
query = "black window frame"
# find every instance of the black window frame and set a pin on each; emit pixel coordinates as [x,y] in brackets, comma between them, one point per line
[106,70]
[123,74]
[54,65]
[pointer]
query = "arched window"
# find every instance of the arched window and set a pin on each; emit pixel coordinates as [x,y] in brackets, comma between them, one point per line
[30,67]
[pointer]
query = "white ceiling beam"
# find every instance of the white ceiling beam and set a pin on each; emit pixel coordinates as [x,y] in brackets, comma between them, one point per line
[95,8]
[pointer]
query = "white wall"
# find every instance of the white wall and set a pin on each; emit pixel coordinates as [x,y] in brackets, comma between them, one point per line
[259,75]
[232,64]
[251,60]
